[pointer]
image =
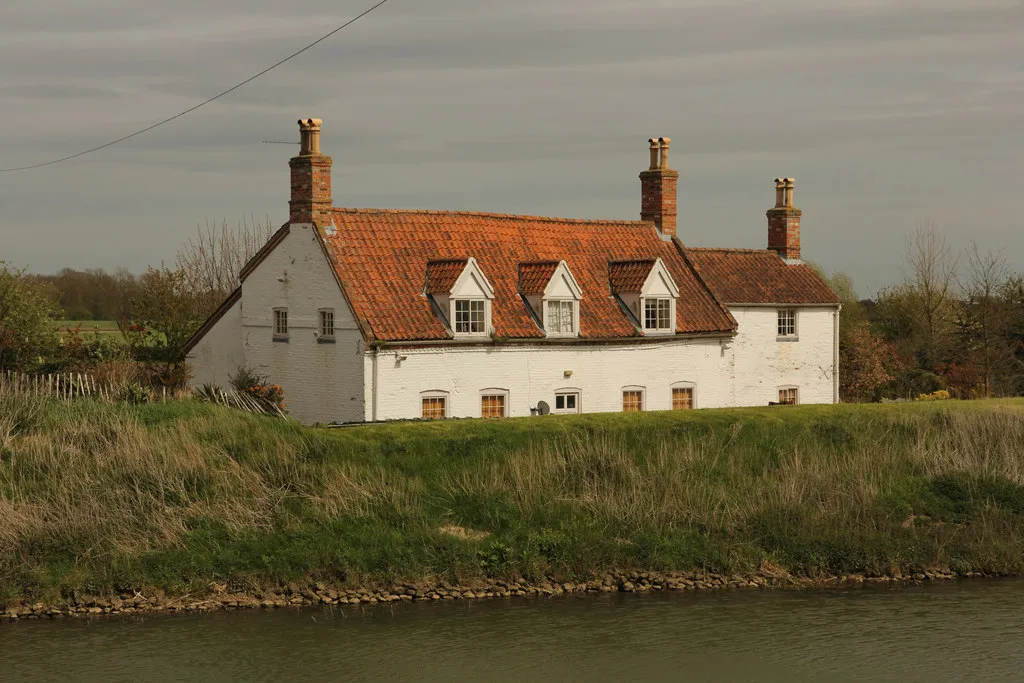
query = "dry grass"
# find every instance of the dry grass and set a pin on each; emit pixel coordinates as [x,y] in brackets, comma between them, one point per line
[107,495]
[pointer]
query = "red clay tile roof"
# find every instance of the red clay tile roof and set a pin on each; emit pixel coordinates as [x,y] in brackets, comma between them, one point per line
[442,274]
[759,276]
[381,259]
[629,276]
[534,277]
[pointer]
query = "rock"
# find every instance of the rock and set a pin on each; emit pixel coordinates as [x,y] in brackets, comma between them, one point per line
[628,586]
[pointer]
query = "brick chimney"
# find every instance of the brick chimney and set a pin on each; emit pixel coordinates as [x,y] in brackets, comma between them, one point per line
[784,222]
[658,189]
[311,178]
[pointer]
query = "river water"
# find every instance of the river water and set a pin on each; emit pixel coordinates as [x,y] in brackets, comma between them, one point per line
[948,632]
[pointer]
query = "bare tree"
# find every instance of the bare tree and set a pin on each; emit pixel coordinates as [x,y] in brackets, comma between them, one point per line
[984,318]
[213,257]
[932,276]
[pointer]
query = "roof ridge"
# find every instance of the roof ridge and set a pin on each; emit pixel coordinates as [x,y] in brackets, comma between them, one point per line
[735,249]
[486,214]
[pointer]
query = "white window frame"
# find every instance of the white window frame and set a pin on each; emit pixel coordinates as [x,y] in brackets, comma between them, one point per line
[692,386]
[633,389]
[658,301]
[494,391]
[794,317]
[568,391]
[435,394]
[325,334]
[276,316]
[789,387]
[485,331]
[574,317]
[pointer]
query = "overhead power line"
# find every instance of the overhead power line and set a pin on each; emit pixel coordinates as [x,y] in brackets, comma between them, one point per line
[204,102]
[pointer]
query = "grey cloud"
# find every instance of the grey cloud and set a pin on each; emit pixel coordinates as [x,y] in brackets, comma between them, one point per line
[535,106]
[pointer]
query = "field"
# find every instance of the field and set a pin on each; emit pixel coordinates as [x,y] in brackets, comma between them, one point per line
[100,497]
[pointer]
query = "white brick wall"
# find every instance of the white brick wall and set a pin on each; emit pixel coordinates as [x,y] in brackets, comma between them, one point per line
[219,352]
[748,371]
[764,364]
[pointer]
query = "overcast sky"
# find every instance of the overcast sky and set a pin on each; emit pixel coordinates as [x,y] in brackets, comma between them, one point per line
[889,114]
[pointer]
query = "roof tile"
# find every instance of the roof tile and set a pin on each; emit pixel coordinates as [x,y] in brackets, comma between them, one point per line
[759,276]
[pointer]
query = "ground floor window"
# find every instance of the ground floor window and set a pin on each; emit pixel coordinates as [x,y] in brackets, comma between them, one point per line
[632,400]
[682,398]
[492,405]
[434,407]
[567,402]
[788,397]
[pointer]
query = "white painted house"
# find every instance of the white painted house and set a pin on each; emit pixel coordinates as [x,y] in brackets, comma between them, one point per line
[367,314]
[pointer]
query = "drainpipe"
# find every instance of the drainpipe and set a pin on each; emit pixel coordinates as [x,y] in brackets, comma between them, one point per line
[373,408]
[835,354]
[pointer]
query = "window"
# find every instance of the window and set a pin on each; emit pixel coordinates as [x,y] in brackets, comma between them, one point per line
[470,316]
[788,397]
[657,314]
[567,402]
[632,400]
[492,405]
[561,318]
[787,323]
[280,323]
[326,324]
[682,398]
[435,407]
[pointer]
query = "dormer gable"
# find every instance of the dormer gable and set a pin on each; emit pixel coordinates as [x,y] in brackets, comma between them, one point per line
[553,295]
[462,295]
[647,290]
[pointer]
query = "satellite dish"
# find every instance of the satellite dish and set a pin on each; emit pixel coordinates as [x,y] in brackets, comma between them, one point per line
[543,408]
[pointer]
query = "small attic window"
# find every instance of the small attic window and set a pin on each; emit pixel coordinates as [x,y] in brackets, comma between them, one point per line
[647,290]
[462,296]
[553,295]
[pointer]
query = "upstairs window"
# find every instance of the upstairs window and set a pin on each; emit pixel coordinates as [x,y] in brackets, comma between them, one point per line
[470,316]
[561,317]
[788,396]
[658,314]
[280,323]
[787,323]
[326,324]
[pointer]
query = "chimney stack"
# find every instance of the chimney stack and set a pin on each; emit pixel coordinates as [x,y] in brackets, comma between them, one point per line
[311,178]
[658,189]
[784,222]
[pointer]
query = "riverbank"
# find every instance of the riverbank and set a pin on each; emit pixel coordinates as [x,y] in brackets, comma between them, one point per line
[320,594]
[184,503]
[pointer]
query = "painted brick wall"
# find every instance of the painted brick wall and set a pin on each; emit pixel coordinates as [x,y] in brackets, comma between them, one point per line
[217,355]
[763,364]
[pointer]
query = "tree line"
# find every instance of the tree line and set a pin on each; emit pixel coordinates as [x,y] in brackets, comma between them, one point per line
[954,324]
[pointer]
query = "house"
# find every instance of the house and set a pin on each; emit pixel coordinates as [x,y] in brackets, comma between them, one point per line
[370,314]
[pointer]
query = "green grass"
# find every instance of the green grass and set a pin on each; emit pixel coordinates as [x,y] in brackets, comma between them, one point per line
[88,325]
[100,498]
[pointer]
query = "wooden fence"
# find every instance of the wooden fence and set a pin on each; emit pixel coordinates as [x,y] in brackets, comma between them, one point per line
[68,386]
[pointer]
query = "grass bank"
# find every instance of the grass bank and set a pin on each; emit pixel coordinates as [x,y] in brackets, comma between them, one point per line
[103,499]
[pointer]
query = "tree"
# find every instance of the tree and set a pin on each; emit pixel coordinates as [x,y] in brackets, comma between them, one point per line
[212,259]
[28,332]
[867,364]
[165,314]
[983,320]
[932,275]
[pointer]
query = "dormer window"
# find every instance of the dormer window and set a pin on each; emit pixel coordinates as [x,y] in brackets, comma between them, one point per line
[647,291]
[461,295]
[553,296]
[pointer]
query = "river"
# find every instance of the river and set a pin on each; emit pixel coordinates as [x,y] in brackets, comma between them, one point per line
[970,631]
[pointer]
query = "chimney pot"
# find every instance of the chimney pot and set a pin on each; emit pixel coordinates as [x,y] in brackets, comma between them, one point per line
[655,146]
[789,192]
[665,143]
